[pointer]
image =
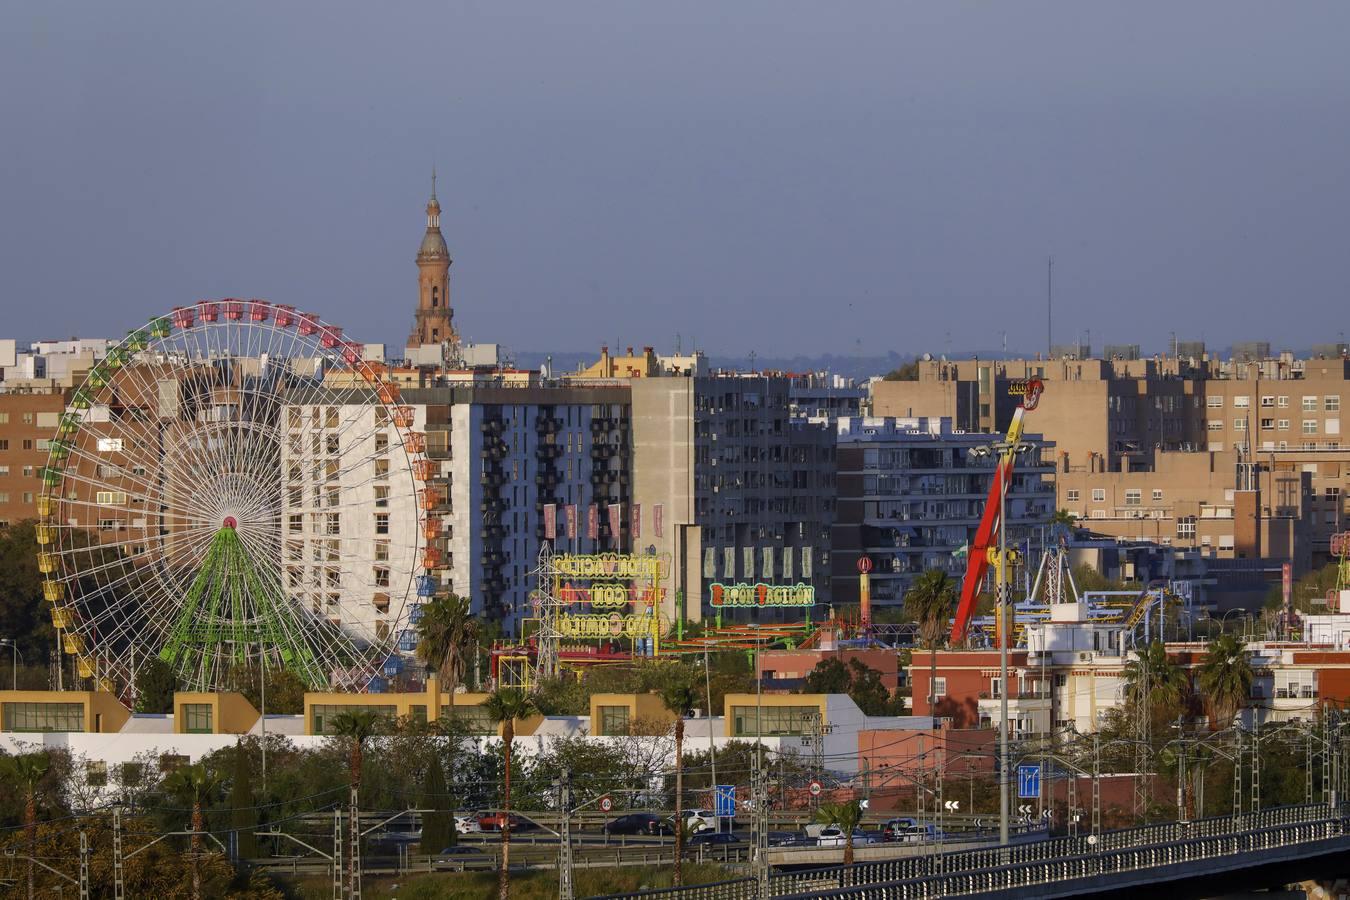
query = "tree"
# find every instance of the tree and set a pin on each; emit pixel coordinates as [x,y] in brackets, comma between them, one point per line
[505,706]
[1155,683]
[1225,679]
[929,603]
[438,825]
[243,810]
[446,632]
[679,696]
[907,372]
[846,816]
[830,676]
[155,684]
[860,681]
[27,771]
[195,785]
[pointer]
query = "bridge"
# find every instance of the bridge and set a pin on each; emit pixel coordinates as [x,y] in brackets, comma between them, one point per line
[1269,847]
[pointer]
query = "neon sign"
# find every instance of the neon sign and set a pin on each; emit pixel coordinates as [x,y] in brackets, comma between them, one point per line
[743,594]
[611,594]
[613,625]
[617,566]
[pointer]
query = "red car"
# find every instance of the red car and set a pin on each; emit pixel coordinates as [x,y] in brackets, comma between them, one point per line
[493,821]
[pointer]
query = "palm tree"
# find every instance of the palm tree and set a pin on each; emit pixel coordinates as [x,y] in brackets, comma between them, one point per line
[27,769]
[196,785]
[846,816]
[929,602]
[679,695]
[445,633]
[357,726]
[1155,683]
[1226,678]
[505,706]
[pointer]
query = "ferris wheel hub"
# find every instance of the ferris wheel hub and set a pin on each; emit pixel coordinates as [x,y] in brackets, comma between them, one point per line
[231,522]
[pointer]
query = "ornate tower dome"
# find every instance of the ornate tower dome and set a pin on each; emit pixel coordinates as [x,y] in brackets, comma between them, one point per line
[433,321]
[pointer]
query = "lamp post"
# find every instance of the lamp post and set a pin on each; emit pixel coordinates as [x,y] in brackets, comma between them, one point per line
[15,656]
[1005,450]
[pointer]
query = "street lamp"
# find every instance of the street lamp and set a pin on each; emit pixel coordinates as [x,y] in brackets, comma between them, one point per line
[1006,451]
[14,663]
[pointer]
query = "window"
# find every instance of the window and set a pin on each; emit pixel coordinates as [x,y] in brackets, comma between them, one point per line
[381,442]
[296,523]
[172,762]
[4,418]
[1309,404]
[96,773]
[382,523]
[1133,497]
[474,719]
[197,718]
[27,444]
[1071,495]
[613,721]
[321,715]
[4,445]
[1239,424]
[1283,402]
[1310,426]
[1214,402]
[1332,402]
[382,551]
[381,496]
[381,577]
[940,686]
[43,717]
[1157,495]
[1267,424]
[1283,424]
[1215,424]
[776,720]
[1267,402]
[1242,402]
[110,498]
[1186,527]
[1099,495]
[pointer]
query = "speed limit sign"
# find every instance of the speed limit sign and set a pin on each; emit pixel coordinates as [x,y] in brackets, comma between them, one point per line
[815,788]
[606,804]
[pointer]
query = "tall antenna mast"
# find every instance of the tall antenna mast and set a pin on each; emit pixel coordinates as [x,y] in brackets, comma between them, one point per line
[1049,306]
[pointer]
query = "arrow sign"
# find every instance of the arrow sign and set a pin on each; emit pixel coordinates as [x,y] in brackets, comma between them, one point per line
[952,805]
[1028,782]
[1024,809]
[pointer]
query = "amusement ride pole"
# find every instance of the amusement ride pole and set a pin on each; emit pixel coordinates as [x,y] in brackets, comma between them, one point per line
[1005,632]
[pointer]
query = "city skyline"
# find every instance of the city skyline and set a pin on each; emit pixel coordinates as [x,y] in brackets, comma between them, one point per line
[773,180]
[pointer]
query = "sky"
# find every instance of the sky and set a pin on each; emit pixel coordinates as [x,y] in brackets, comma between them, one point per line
[751,176]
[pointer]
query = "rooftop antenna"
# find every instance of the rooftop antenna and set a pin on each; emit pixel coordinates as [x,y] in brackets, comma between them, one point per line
[1049,306]
[677,343]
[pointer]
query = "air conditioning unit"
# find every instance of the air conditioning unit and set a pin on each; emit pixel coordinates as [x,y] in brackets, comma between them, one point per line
[945,722]
[695,713]
[1085,656]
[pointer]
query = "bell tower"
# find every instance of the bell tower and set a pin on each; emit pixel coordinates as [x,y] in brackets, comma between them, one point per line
[432,323]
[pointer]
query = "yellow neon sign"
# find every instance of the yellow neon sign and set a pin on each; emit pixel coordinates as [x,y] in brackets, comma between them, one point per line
[615,566]
[743,594]
[613,625]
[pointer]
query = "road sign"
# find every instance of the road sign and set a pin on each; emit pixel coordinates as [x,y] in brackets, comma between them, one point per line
[952,805]
[726,801]
[864,803]
[815,788]
[1024,809]
[1028,782]
[606,804]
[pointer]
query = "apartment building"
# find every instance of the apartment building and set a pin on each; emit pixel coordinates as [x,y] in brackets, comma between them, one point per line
[911,496]
[27,423]
[736,491]
[510,461]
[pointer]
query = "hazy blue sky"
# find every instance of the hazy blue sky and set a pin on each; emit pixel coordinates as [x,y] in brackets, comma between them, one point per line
[766,176]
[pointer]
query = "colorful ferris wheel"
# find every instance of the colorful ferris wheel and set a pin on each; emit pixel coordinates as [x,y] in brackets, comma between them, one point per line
[234,486]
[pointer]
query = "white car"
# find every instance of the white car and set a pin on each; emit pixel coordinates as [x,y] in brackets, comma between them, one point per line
[833,836]
[467,823]
[700,820]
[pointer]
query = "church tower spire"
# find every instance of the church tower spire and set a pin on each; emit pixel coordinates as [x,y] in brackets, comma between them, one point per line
[432,323]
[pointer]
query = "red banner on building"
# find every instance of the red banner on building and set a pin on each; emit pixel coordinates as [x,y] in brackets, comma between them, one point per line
[658,519]
[615,525]
[635,521]
[592,522]
[572,521]
[551,520]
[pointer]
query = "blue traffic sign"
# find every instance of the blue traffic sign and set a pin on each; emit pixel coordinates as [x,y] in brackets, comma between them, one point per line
[1028,782]
[726,801]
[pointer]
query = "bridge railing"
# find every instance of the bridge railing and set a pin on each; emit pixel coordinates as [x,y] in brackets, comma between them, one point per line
[1117,861]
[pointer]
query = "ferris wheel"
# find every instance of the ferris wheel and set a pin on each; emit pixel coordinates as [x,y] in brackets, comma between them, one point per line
[235,486]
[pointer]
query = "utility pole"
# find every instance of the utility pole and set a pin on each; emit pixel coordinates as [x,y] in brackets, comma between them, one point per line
[564,788]
[338,884]
[119,884]
[759,791]
[354,851]
[84,866]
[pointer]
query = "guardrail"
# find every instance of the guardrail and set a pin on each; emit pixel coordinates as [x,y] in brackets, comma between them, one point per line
[1024,865]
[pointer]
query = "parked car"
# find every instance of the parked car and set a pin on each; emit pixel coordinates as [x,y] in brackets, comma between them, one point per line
[639,823]
[700,820]
[467,823]
[460,857]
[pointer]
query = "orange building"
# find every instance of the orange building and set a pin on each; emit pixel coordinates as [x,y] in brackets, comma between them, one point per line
[27,423]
